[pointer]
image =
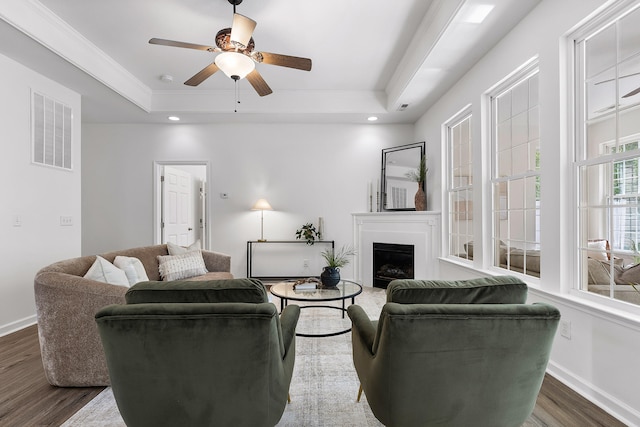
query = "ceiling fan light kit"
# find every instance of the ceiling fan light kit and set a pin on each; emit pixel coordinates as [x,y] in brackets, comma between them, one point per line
[236,56]
[235,65]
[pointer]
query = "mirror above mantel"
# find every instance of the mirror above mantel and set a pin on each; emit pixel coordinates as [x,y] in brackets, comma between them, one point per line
[397,188]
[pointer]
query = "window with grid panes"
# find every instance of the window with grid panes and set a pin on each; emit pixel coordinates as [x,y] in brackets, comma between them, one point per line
[607,67]
[460,183]
[516,173]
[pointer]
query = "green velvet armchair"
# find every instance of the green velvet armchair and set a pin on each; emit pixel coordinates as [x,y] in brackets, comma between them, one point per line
[194,363]
[453,362]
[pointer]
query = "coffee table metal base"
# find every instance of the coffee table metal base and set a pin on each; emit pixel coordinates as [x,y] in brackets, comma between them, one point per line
[332,334]
[346,290]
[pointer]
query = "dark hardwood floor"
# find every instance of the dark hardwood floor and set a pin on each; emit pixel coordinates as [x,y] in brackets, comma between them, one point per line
[26,399]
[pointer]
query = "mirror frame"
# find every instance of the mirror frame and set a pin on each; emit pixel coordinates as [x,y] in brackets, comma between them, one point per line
[383,180]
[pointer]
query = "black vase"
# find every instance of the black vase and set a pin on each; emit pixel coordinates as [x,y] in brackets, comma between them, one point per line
[330,276]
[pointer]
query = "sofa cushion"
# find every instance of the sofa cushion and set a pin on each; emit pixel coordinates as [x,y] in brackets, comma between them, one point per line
[598,249]
[183,266]
[132,267]
[487,290]
[103,271]
[517,260]
[174,249]
[211,291]
[630,275]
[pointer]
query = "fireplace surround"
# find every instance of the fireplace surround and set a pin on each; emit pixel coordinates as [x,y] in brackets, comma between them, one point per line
[421,229]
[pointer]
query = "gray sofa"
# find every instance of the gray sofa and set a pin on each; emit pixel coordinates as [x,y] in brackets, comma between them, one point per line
[66,304]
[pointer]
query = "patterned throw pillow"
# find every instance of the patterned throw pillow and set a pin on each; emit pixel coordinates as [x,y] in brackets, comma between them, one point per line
[183,266]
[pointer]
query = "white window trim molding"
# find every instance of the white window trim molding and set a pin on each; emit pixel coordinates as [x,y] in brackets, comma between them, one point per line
[446,160]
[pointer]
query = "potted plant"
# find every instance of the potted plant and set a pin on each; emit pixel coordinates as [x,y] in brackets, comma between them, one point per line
[330,276]
[308,232]
[420,176]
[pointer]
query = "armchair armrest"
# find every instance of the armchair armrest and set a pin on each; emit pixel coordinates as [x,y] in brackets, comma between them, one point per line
[363,327]
[288,321]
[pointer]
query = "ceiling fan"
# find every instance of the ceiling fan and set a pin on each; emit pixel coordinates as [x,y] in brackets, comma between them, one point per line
[236,55]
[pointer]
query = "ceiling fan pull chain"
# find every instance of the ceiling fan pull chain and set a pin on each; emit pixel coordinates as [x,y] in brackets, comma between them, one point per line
[237,96]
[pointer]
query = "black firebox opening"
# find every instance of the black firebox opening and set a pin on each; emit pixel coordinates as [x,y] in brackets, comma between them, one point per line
[391,261]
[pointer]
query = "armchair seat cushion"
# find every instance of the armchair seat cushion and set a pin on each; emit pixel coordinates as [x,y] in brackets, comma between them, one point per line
[486,290]
[186,291]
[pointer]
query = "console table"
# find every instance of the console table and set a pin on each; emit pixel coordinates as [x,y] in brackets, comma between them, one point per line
[251,244]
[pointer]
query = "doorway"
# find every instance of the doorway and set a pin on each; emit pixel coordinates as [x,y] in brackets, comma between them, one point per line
[181,202]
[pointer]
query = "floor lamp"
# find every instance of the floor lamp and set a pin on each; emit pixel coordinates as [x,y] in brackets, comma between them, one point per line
[262,205]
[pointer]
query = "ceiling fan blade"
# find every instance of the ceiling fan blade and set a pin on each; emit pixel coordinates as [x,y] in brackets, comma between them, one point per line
[202,75]
[242,29]
[633,92]
[174,43]
[286,61]
[258,83]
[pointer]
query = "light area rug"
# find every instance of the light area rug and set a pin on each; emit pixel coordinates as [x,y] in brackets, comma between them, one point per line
[324,386]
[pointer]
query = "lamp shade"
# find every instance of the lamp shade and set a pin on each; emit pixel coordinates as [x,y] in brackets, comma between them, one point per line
[262,205]
[235,64]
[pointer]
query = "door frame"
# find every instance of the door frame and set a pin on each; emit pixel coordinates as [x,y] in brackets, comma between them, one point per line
[158,166]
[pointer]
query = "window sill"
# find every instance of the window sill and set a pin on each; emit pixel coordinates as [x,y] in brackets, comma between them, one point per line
[625,314]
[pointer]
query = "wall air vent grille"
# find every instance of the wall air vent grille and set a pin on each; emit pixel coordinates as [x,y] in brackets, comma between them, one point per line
[50,132]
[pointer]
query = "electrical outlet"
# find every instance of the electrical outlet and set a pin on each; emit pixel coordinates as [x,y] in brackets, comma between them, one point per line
[565,329]
[305,263]
[224,195]
[17,221]
[66,221]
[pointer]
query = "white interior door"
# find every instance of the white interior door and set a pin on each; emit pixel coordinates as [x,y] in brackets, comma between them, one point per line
[177,219]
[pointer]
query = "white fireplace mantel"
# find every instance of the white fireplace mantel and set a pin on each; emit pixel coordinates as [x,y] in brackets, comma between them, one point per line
[420,229]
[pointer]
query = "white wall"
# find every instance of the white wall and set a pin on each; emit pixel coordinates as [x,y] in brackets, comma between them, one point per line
[598,359]
[37,195]
[304,171]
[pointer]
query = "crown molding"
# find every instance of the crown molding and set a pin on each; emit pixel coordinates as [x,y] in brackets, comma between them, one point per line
[36,21]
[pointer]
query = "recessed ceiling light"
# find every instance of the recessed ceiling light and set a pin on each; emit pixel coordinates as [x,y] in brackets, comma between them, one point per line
[174,118]
[476,13]
[372,118]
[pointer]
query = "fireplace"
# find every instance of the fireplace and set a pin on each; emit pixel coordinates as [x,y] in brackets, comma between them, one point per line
[391,261]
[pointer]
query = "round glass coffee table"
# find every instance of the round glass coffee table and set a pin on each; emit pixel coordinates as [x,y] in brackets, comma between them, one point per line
[341,292]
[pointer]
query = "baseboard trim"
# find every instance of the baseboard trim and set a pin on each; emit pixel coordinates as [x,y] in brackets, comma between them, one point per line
[12,327]
[598,397]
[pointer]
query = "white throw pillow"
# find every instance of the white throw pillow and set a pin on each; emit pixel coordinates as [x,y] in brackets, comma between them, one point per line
[177,249]
[132,267]
[103,271]
[598,250]
[183,266]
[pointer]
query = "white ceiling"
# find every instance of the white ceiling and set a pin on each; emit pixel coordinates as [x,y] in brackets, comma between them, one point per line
[369,56]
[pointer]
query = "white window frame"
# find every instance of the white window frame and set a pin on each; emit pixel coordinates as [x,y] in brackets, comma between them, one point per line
[576,105]
[455,187]
[524,72]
